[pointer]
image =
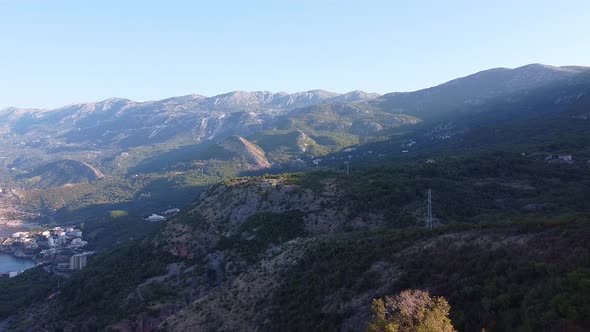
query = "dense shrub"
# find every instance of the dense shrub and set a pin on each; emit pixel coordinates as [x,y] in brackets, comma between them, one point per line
[410,311]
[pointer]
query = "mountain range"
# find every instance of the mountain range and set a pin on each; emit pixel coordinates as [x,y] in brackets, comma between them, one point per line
[128,123]
[297,210]
[124,123]
[172,140]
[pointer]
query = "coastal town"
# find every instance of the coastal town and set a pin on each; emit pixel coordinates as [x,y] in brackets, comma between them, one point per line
[58,249]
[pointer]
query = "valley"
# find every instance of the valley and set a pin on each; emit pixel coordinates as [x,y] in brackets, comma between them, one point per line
[296,210]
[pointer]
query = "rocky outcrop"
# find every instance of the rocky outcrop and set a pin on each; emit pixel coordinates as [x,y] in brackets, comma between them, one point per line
[60,173]
[251,152]
[302,141]
[225,207]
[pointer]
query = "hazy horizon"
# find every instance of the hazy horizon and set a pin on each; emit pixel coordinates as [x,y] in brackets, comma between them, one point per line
[264,90]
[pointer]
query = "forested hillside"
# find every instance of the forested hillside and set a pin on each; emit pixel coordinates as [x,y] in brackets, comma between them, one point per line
[311,250]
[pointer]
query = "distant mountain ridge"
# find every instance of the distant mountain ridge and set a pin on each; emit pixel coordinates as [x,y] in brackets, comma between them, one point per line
[229,99]
[105,133]
[129,123]
[479,88]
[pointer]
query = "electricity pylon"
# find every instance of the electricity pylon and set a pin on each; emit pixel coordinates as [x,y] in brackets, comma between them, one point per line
[429,210]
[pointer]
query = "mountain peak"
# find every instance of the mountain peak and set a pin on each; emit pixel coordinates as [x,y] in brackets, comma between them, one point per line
[535,66]
[356,95]
[544,67]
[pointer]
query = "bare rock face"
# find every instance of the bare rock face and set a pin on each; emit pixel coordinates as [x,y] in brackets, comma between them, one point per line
[302,141]
[356,95]
[60,173]
[366,127]
[251,152]
[306,98]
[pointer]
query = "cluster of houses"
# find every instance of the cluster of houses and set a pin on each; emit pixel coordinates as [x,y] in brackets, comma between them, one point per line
[26,240]
[59,247]
[59,237]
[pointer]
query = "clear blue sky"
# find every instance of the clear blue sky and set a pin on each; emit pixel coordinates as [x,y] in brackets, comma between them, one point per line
[55,52]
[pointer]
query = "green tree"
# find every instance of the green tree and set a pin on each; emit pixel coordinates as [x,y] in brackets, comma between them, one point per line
[410,311]
[380,323]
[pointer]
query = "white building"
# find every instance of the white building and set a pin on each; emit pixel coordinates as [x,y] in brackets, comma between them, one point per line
[60,240]
[49,252]
[77,242]
[172,211]
[78,261]
[156,217]
[30,244]
[74,232]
